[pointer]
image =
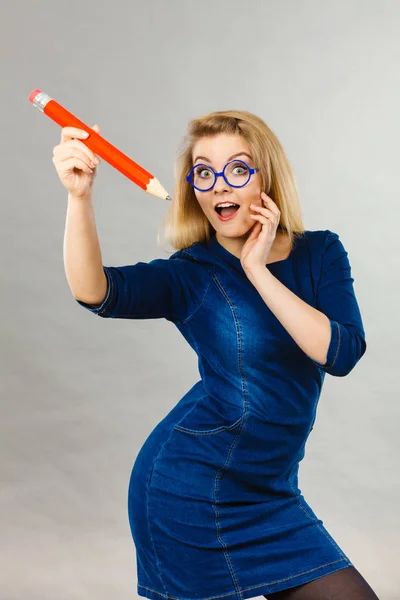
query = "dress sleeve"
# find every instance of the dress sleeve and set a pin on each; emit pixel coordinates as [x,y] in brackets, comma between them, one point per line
[162,288]
[337,300]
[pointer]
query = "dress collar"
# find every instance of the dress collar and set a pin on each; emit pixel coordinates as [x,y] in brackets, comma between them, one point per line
[218,250]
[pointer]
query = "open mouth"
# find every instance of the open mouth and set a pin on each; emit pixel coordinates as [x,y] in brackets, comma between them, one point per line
[227,212]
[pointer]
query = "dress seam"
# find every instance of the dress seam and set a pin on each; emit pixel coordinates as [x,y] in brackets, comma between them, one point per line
[318,524]
[211,270]
[236,439]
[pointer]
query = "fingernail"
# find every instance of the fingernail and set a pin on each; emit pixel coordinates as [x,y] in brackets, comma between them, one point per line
[84,133]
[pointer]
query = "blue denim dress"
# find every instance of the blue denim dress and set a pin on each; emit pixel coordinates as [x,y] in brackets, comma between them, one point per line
[214,505]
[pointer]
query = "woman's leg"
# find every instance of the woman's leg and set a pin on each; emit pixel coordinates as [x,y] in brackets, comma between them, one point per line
[345,584]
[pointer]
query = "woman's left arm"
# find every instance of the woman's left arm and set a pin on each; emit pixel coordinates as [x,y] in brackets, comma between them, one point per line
[332,334]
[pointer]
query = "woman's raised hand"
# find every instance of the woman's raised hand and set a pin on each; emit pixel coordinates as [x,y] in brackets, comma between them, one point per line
[75,163]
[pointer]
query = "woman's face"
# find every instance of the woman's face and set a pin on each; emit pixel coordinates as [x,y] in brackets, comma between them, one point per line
[216,151]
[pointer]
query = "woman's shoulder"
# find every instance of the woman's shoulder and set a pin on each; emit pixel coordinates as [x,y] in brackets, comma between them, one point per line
[196,257]
[310,246]
[316,238]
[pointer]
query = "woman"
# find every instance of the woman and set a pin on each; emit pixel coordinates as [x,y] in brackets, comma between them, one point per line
[269,307]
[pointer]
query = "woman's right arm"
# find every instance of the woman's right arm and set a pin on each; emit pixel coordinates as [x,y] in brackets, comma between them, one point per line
[82,254]
[76,166]
[172,289]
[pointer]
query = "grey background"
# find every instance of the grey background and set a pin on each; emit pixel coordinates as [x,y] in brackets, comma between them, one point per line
[80,394]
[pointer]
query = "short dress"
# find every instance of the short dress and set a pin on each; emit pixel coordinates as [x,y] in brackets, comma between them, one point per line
[214,505]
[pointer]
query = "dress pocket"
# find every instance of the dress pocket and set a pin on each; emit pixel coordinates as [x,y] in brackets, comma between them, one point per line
[209,416]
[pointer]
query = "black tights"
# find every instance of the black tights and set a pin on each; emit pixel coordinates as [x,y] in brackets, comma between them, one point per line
[344,584]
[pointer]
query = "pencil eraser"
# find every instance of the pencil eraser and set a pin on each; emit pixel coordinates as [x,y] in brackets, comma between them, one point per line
[33,95]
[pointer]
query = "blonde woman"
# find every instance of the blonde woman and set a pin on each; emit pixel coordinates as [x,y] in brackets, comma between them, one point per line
[269,307]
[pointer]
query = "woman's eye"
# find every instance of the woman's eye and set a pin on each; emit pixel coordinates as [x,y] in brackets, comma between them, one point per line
[240,167]
[201,171]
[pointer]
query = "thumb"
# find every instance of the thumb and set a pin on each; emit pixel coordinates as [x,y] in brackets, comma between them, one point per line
[96,128]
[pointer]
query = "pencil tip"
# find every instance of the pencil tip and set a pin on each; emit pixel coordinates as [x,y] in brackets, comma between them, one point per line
[168,197]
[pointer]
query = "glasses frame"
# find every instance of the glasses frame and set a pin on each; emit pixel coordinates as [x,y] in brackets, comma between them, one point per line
[221,174]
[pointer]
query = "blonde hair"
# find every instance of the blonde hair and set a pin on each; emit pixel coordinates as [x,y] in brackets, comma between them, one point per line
[185,222]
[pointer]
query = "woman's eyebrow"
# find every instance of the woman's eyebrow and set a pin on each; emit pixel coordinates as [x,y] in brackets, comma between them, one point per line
[230,158]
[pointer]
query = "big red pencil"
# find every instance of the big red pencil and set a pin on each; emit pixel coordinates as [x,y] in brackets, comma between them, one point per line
[100,146]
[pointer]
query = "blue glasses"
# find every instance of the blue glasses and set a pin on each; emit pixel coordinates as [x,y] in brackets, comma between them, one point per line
[236,173]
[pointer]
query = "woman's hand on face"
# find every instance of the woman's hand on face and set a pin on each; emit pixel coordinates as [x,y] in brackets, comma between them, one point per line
[257,246]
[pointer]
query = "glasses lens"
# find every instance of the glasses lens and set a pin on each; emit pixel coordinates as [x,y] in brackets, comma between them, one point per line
[202,177]
[237,173]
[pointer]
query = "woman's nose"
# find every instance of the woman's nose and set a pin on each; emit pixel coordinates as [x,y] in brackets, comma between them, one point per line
[220,184]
